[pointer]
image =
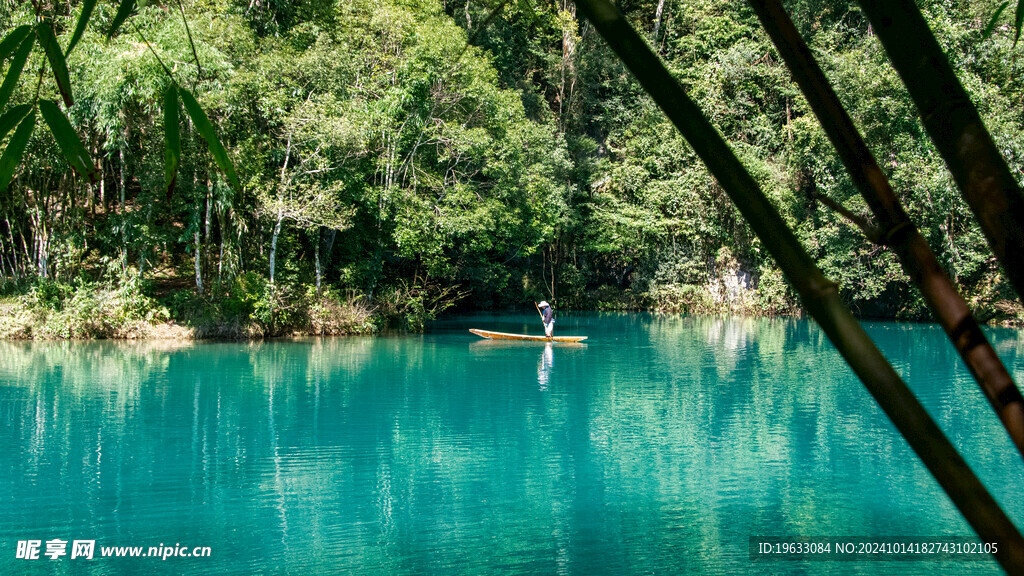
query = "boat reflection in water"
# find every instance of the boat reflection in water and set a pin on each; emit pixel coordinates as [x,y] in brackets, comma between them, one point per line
[547,358]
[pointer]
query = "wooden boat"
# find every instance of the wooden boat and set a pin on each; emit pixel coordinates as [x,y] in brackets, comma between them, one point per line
[505,336]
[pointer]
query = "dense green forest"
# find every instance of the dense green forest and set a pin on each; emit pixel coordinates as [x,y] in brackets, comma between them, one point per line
[396,158]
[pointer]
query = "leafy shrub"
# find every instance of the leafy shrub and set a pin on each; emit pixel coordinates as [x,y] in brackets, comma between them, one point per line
[90,310]
[254,308]
[50,294]
[685,298]
[774,295]
[331,313]
[608,297]
[409,306]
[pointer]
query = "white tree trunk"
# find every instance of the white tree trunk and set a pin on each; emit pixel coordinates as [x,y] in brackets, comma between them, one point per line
[43,270]
[273,243]
[120,209]
[657,19]
[223,238]
[209,206]
[199,267]
[280,210]
[317,260]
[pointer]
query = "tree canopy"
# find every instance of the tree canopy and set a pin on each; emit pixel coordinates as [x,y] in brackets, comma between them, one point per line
[419,153]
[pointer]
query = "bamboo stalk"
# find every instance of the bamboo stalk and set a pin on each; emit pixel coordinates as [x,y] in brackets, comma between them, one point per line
[818,294]
[895,228]
[956,128]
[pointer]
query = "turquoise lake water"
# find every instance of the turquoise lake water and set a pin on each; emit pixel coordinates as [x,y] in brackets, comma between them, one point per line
[659,447]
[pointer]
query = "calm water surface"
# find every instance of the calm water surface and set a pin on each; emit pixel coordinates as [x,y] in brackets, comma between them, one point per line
[660,447]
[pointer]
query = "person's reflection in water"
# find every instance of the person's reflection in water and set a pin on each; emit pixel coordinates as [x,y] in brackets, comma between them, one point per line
[544,367]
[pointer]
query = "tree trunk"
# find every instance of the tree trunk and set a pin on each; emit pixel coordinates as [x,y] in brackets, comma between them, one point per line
[223,239]
[121,180]
[120,210]
[26,260]
[325,242]
[657,20]
[3,267]
[316,254]
[103,186]
[14,247]
[241,261]
[273,243]
[142,249]
[280,209]
[206,239]
[198,263]
[41,261]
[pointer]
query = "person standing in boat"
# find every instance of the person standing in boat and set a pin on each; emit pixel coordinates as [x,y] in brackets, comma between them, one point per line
[548,317]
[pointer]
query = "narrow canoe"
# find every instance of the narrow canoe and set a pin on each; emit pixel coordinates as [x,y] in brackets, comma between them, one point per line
[505,336]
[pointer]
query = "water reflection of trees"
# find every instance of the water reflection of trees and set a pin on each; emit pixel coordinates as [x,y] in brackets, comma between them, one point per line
[786,414]
[418,454]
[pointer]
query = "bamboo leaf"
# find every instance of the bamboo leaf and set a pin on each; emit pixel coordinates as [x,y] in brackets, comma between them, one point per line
[11,118]
[14,72]
[15,150]
[14,39]
[83,19]
[995,18]
[67,139]
[209,133]
[1018,22]
[172,138]
[123,11]
[57,63]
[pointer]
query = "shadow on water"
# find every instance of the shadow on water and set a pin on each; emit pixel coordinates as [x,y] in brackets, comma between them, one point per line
[661,445]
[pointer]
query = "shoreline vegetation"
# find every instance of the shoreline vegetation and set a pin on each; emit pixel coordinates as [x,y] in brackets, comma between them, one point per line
[254,309]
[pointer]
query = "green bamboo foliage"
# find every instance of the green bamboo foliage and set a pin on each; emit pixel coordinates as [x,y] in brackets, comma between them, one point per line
[15,149]
[15,69]
[894,228]
[10,119]
[56,58]
[1018,22]
[995,19]
[83,21]
[956,128]
[209,134]
[124,10]
[67,139]
[13,39]
[172,138]
[19,43]
[818,295]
